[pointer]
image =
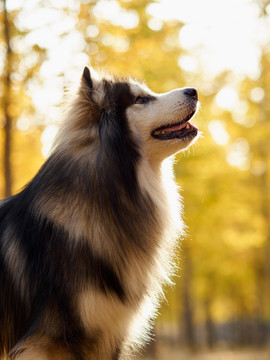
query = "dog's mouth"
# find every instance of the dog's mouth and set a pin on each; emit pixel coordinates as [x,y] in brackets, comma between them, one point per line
[178,130]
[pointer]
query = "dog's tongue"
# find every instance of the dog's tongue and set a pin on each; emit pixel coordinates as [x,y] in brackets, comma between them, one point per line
[176,127]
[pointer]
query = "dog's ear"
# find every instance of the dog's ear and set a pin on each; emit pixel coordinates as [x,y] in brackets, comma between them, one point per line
[86,78]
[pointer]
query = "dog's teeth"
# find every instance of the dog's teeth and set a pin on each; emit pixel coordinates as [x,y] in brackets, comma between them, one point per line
[162,132]
[187,126]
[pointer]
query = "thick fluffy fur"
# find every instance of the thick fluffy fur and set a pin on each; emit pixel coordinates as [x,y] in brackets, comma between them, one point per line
[86,246]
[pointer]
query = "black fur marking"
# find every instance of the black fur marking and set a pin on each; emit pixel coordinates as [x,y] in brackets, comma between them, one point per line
[119,154]
[116,355]
[117,164]
[87,77]
[13,312]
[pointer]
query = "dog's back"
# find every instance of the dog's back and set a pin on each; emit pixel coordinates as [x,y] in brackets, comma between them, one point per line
[13,316]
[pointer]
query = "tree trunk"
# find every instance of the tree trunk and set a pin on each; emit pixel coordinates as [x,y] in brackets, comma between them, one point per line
[6,105]
[264,178]
[187,316]
[209,324]
[266,215]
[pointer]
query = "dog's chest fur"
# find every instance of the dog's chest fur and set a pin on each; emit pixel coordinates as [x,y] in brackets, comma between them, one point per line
[141,270]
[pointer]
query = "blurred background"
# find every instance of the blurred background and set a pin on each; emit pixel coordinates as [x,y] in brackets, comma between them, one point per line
[219,307]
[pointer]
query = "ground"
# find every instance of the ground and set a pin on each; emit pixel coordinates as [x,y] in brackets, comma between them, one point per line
[243,354]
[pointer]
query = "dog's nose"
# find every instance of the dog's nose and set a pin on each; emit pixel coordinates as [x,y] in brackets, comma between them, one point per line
[191,92]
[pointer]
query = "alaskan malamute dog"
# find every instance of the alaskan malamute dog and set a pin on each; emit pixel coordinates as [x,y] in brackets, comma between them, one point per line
[86,246]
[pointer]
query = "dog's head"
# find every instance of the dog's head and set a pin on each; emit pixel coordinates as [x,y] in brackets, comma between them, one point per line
[123,115]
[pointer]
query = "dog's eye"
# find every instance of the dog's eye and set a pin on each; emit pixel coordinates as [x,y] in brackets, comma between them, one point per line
[141,100]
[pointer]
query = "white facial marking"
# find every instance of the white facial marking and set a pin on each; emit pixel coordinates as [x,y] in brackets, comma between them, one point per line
[163,110]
